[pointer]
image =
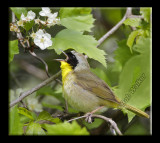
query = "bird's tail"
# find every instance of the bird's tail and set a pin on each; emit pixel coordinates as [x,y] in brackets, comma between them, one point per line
[136,111]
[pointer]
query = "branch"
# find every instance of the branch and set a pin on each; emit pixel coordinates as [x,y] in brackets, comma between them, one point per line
[110,32]
[128,14]
[26,93]
[113,124]
[113,127]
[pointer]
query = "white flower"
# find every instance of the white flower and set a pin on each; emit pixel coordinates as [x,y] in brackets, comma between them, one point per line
[52,20]
[43,40]
[37,20]
[14,27]
[20,23]
[23,17]
[45,11]
[33,35]
[52,17]
[30,16]
[43,22]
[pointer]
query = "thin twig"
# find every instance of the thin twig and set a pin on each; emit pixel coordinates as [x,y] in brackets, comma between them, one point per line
[128,14]
[26,93]
[110,32]
[113,126]
[40,59]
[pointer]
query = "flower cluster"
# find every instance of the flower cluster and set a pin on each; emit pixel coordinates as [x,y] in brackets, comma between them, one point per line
[40,37]
[51,17]
[14,27]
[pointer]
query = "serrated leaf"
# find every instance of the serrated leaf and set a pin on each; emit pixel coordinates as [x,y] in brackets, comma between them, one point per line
[79,23]
[134,22]
[132,37]
[134,69]
[68,12]
[28,25]
[65,129]
[34,129]
[18,11]
[145,13]
[70,39]
[46,116]
[13,49]
[15,126]
[78,19]
[25,112]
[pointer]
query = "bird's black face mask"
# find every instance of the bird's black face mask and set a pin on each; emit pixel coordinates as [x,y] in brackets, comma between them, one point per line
[72,60]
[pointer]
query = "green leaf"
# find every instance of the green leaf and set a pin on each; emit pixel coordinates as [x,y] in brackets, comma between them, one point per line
[18,11]
[131,90]
[46,116]
[78,19]
[65,129]
[70,39]
[122,53]
[13,49]
[34,129]
[146,13]
[25,112]
[134,22]
[139,47]
[132,37]
[79,23]
[15,126]
[69,12]
[28,25]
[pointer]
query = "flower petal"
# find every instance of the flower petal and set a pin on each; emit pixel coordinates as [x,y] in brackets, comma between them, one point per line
[31,15]
[47,36]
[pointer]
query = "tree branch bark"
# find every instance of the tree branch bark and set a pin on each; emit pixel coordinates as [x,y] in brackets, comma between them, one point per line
[110,32]
[26,93]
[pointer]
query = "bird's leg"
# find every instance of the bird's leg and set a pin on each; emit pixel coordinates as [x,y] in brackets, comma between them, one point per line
[66,106]
[89,115]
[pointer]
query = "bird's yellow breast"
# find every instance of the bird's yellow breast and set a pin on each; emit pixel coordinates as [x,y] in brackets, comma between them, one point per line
[66,69]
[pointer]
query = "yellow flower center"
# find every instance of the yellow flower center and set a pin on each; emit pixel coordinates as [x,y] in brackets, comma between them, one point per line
[42,40]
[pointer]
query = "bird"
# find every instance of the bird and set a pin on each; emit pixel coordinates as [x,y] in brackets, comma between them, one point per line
[86,92]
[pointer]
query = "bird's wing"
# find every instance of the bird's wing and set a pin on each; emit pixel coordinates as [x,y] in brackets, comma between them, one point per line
[90,82]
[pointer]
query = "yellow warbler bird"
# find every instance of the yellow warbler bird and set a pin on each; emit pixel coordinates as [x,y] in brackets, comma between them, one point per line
[84,91]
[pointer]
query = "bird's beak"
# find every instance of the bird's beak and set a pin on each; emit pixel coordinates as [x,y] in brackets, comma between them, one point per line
[59,60]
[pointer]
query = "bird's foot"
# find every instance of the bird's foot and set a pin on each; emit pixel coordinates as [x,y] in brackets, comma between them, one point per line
[89,118]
